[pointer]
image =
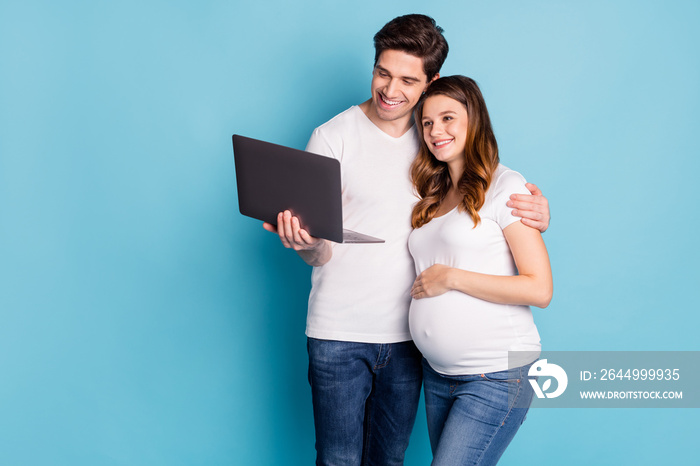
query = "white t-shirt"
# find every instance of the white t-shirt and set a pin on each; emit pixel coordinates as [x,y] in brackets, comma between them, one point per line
[362,293]
[457,333]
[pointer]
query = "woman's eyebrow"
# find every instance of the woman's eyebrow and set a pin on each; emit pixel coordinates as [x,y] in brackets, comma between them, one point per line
[441,113]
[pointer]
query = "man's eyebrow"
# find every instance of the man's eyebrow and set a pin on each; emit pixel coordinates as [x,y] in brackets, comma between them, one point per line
[407,78]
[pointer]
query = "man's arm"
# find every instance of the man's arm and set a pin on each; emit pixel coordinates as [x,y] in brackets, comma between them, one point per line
[533,209]
[314,251]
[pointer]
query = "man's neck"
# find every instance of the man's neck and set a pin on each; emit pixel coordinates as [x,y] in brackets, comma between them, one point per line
[394,128]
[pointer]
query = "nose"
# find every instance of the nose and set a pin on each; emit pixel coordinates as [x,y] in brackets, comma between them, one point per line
[435,129]
[392,88]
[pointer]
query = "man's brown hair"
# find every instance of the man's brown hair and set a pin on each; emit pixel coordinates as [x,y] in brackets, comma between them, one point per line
[416,35]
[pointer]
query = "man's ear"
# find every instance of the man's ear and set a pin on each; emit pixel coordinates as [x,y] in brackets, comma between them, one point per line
[434,78]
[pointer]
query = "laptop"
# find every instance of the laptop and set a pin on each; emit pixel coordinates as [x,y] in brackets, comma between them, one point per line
[273,178]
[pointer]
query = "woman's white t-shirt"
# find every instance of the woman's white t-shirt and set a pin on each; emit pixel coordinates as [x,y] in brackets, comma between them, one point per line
[457,333]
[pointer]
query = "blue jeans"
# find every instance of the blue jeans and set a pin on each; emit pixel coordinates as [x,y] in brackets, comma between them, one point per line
[472,418]
[365,398]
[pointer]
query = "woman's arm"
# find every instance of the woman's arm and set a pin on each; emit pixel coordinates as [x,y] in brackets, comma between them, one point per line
[532,286]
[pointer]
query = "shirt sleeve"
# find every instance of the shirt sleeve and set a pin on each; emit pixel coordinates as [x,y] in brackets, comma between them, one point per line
[318,144]
[509,182]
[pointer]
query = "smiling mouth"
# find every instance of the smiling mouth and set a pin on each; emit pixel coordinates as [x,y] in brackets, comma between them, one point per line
[389,103]
[442,143]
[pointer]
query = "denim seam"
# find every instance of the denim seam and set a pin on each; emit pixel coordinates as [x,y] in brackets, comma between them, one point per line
[368,404]
[515,398]
[498,428]
[493,435]
[486,377]
[512,406]
[368,426]
[453,387]
[377,365]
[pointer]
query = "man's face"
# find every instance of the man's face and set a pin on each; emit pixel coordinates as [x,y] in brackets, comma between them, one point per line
[398,81]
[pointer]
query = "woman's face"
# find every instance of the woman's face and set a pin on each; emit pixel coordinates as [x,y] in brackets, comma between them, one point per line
[445,128]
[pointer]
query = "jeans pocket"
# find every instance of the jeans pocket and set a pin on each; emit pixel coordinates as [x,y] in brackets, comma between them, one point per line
[515,383]
[504,376]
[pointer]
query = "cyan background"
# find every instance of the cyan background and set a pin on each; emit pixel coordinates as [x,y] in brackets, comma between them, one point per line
[144,321]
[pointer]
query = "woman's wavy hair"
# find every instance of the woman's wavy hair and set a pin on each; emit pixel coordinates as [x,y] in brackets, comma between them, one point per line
[431,178]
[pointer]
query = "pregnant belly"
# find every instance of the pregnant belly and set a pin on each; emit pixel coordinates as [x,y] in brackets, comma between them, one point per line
[457,330]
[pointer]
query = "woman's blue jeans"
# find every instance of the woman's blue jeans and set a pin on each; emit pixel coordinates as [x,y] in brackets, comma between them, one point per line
[472,418]
[365,398]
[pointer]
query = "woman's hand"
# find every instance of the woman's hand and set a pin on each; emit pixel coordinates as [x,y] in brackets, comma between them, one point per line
[434,281]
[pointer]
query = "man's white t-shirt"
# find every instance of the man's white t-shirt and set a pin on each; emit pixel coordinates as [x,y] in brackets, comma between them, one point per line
[459,334]
[362,293]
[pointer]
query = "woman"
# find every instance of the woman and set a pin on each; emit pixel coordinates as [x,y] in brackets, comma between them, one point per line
[479,269]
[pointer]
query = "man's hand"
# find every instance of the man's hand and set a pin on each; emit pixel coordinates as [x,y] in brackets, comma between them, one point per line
[534,209]
[314,251]
[291,234]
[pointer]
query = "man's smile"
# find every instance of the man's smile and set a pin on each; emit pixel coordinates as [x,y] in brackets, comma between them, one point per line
[389,103]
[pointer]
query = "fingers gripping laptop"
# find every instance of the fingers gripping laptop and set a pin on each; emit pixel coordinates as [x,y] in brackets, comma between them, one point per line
[273,178]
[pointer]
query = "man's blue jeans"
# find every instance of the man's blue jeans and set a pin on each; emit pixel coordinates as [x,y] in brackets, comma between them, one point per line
[365,398]
[472,418]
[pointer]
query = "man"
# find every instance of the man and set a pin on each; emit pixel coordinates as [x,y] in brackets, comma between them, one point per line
[365,373]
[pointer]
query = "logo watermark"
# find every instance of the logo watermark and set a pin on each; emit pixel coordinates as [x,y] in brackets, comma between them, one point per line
[541,369]
[612,379]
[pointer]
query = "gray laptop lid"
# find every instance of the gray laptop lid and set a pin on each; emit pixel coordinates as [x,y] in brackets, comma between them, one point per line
[273,178]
